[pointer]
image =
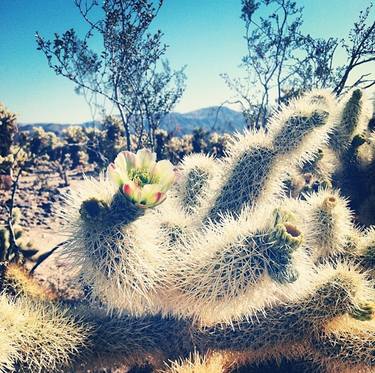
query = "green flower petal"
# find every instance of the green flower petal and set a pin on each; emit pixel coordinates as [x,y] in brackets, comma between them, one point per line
[114,175]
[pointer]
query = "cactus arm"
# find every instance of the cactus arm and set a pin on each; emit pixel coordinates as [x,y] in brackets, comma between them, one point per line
[354,117]
[197,172]
[38,336]
[223,265]
[129,339]
[328,223]
[257,163]
[83,336]
[334,296]
[348,340]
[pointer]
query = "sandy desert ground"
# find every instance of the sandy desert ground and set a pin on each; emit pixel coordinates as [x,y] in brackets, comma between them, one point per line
[40,199]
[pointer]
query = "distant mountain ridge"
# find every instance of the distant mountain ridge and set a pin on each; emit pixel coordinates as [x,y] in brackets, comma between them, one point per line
[214,118]
[55,127]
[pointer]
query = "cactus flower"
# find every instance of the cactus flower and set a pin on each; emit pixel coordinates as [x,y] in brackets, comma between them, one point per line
[143,180]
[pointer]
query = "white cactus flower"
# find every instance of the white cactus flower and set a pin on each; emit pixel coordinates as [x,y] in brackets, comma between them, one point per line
[143,180]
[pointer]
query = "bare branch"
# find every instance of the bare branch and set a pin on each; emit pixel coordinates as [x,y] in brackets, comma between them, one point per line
[46,255]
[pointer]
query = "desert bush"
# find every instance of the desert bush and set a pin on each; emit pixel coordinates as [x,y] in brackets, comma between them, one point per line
[130,70]
[75,142]
[8,129]
[106,142]
[42,143]
[282,62]
[175,148]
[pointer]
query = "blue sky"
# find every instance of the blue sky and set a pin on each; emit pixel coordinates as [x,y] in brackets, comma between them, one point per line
[206,35]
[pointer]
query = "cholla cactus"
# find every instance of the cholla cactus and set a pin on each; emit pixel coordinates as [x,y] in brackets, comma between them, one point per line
[228,245]
[75,141]
[230,261]
[37,336]
[210,363]
[8,129]
[355,116]
[25,247]
[197,173]
[41,143]
[347,162]
[330,222]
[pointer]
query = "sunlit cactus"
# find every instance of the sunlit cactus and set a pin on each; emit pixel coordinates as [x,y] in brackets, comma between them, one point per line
[18,281]
[37,336]
[253,173]
[354,117]
[348,340]
[239,261]
[227,246]
[227,259]
[209,363]
[8,128]
[335,293]
[197,173]
[104,229]
[330,223]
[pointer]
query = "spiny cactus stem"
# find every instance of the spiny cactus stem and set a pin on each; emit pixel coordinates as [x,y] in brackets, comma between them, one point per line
[131,211]
[302,125]
[94,210]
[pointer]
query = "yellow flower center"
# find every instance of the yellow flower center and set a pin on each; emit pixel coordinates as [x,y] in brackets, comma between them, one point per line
[142,177]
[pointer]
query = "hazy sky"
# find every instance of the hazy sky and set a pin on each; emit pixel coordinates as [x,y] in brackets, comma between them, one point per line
[206,35]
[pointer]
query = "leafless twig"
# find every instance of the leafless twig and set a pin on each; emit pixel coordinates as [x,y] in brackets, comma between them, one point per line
[46,255]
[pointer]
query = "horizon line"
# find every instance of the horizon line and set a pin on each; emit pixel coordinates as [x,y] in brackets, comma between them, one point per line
[98,120]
